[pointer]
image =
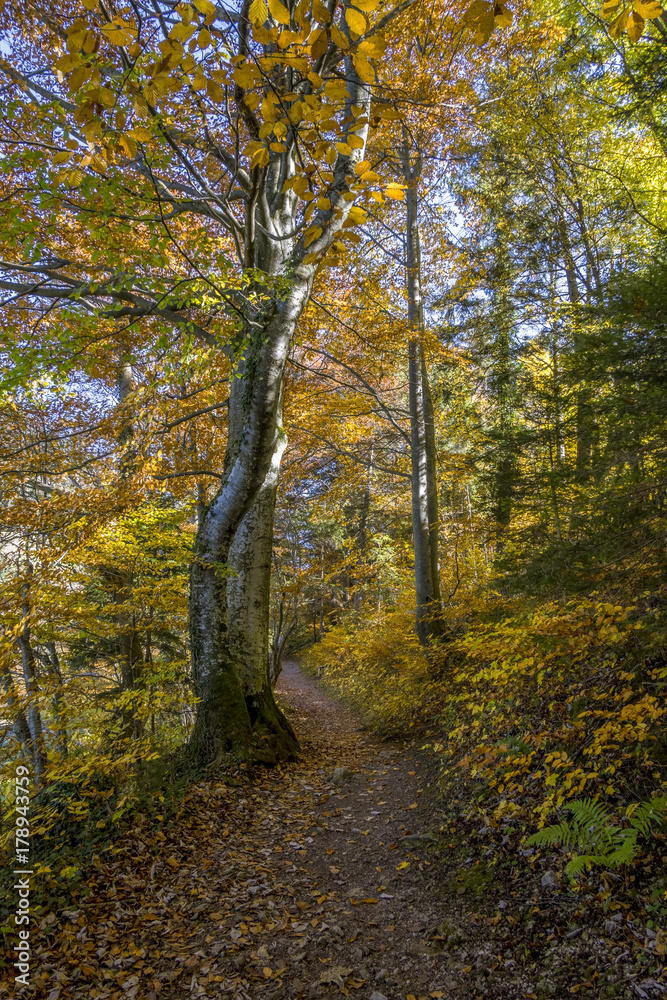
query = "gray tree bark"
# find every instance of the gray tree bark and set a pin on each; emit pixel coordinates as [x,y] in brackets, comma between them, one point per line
[425,520]
[28,663]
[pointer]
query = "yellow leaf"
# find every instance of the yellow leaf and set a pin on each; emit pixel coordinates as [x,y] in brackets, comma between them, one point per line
[267,971]
[320,12]
[244,75]
[277,147]
[90,4]
[617,27]
[343,148]
[129,145]
[364,69]
[476,9]
[279,12]
[258,12]
[635,26]
[119,32]
[356,21]
[319,44]
[323,203]
[361,168]
[270,113]
[403,865]
[78,78]
[648,9]
[372,48]
[205,7]
[215,91]
[485,27]
[300,185]
[260,158]
[141,133]
[396,192]
[610,7]
[339,39]
[502,16]
[311,234]
[300,15]
[204,38]
[367,5]
[336,89]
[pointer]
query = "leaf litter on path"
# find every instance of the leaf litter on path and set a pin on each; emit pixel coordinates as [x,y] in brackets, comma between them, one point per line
[271,889]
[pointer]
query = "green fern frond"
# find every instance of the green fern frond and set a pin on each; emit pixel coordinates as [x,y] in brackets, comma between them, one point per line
[580,863]
[648,814]
[594,839]
[626,852]
[551,836]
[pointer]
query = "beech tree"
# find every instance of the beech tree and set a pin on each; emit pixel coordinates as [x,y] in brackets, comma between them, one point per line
[233,142]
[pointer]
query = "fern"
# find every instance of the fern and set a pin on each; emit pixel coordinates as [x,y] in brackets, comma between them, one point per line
[594,839]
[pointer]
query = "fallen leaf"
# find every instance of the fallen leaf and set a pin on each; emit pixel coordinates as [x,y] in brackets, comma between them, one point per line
[336,974]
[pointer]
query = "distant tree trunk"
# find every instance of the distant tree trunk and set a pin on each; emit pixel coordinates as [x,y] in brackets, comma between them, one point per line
[129,644]
[425,524]
[504,476]
[29,666]
[58,698]
[584,415]
[20,723]
[362,531]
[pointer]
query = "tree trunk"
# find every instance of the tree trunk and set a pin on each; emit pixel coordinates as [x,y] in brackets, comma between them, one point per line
[248,598]
[59,708]
[221,655]
[425,526]
[31,689]
[20,724]
[129,646]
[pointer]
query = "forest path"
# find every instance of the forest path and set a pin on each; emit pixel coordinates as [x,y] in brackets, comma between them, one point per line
[309,880]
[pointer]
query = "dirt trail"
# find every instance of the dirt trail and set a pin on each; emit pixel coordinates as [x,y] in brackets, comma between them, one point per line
[310,880]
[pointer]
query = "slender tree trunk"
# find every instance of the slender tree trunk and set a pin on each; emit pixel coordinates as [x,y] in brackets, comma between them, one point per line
[129,645]
[59,709]
[505,471]
[425,525]
[584,417]
[20,724]
[28,664]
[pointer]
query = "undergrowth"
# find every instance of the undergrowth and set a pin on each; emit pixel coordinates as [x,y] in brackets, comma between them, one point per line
[530,707]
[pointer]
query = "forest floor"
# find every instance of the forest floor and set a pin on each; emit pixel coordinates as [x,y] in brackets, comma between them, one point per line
[328,876]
